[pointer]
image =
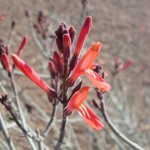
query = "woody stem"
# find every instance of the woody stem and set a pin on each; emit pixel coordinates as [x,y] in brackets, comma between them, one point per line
[115,130]
[64,118]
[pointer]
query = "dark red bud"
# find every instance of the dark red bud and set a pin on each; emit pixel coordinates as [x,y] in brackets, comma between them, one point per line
[58,62]
[72,33]
[70,82]
[73,62]
[59,44]
[99,94]
[6,63]
[76,88]
[95,103]
[52,69]
[66,45]
[53,83]
[52,93]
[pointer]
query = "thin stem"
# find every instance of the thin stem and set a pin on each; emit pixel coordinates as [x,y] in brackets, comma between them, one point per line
[64,119]
[26,132]
[62,132]
[115,130]
[6,134]
[40,143]
[20,110]
[49,125]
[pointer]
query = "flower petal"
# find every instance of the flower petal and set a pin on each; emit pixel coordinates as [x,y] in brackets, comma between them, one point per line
[85,62]
[83,34]
[32,75]
[97,80]
[6,62]
[90,117]
[77,99]
[22,45]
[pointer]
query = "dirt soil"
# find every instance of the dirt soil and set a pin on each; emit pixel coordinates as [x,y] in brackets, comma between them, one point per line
[123,27]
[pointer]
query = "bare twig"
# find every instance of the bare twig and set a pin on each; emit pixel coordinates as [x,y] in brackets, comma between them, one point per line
[115,130]
[40,143]
[49,125]
[6,134]
[20,110]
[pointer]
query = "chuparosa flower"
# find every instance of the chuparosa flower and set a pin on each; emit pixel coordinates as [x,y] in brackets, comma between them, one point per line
[83,67]
[76,102]
[32,75]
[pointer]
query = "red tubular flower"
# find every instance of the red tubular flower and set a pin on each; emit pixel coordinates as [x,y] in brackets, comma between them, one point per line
[85,112]
[97,80]
[22,45]
[82,36]
[83,67]
[58,62]
[6,63]
[85,63]
[32,75]
[66,45]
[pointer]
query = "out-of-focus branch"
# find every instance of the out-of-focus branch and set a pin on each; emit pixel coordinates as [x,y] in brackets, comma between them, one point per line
[20,110]
[115,130]
[6,134]
[49,125]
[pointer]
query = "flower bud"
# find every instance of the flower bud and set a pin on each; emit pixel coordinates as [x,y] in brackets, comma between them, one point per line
[22,45]
[58,62]
[52,69]
[71,33]
[6,63]
[95,103]
[66,45]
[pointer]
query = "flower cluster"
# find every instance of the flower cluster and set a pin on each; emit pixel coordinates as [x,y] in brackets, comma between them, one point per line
[66,66]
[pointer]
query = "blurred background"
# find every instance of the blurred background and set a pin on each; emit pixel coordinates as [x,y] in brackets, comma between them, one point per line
[123,27]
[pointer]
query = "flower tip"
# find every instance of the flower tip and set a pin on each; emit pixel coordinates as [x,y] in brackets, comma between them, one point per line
[88,20]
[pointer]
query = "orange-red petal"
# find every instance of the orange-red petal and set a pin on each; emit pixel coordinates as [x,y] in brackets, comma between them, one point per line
[90,117]
[32,75]
[6,62]
[85,62]
[77,99]
[83,34]
[97,80]
[22,45]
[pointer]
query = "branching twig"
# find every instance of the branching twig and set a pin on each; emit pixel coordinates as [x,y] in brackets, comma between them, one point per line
[115,130]
[20,109]
[6,134]
[49,125]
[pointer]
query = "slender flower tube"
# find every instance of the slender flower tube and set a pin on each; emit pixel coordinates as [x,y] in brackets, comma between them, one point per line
[85,112]
[82,36]
[32,75]
[85,63]
[6,63]
[22,45]
[97,80]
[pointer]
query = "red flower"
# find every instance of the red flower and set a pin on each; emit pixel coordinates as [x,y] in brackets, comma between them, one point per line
[22,45]
[85,112]
[32,75]
[83,67]
[82,36]
[6,63]
[97,80]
